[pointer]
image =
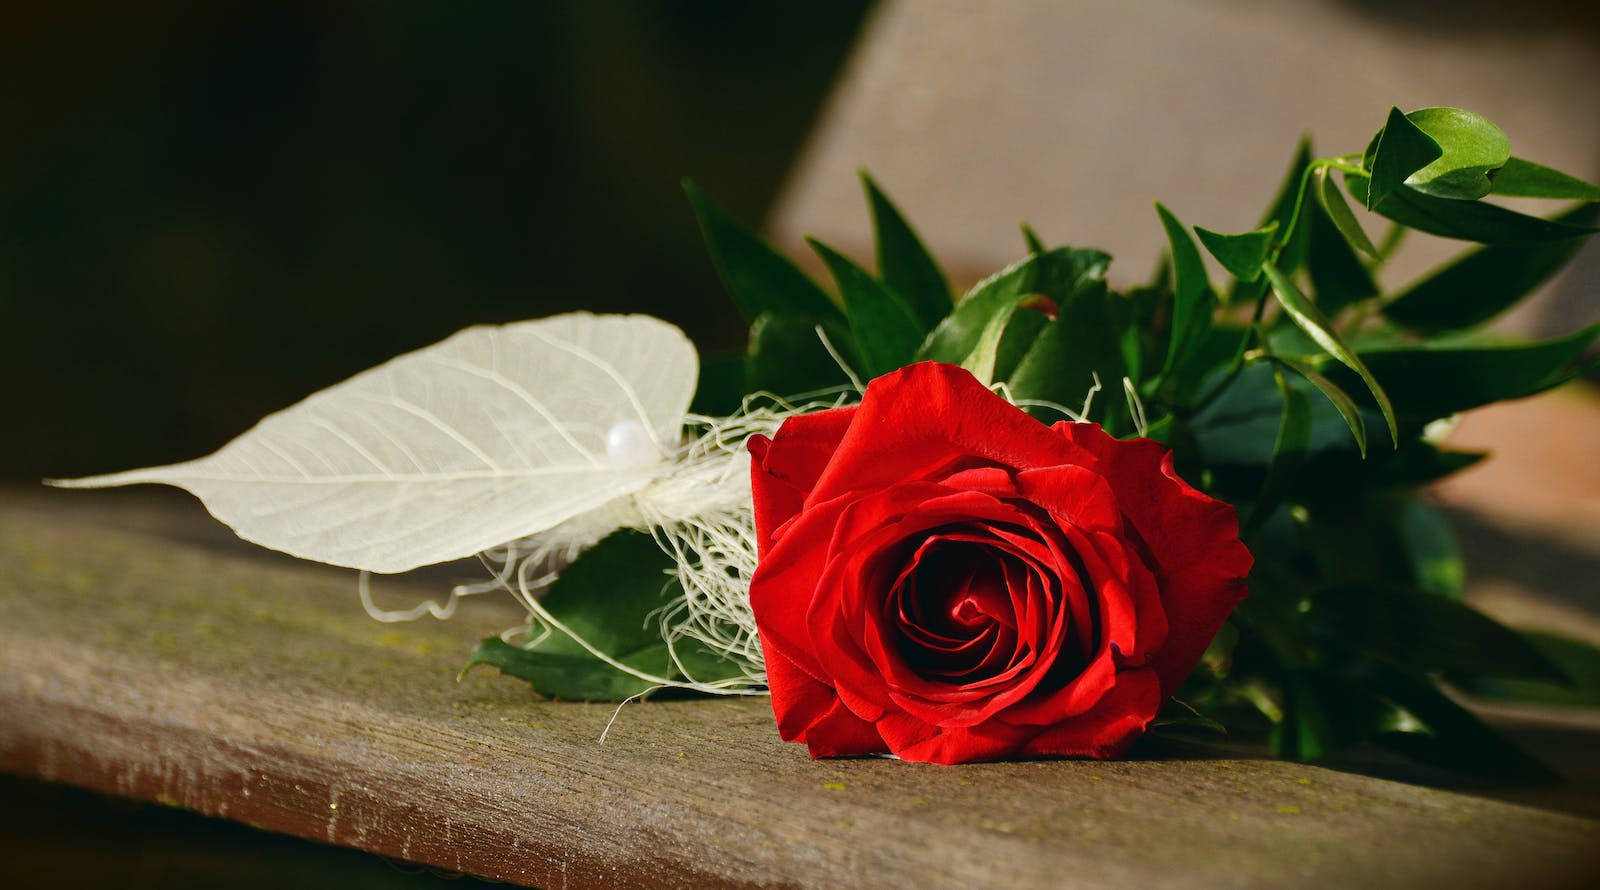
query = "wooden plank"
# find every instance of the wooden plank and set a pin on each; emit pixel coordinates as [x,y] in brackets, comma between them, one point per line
[256,690]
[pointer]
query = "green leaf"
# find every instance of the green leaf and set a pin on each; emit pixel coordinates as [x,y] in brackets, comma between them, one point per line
[1243,254]
[1467,220]
[1340,400]
[1418,463]
[1192,298]
[1005,340]
[903,262]
[562,669]
[606,594]
[785,356]
[701,664]
[1237,428]
[1431,381]
[1288,450]
[1217,660]
[1306,315]
[1333,203]
[1338,277]
[886,334]
[1061,364]
[721,387]
[1486,282]
[1455,737]
[1175,714]
[1161,430]
[1473,150]
[606,598]
[1024,327]
[1525,179]
[1399,150]
[1031,238]
[1334,473]
[1305,732]
[1579,663]
[757,277]
[1132,344]
[1287,203]
[1212,360]
[1431,547]
[980,362]
[1349,534]
[1058,274]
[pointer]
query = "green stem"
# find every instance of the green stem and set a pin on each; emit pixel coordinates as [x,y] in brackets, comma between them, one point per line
[1391,240]
[1236,364]
[1253,332]
[1300,196]
[1287,231]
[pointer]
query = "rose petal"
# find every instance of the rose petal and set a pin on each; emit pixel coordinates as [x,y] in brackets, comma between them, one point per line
[783,469]
[1192,541]
[1116,721]
[996,481]
[785,584]
[925,415]
[939,700]
[913,740]
[808,711]
[1073,495]
[1116,635]
[1141,584]
[1055,558]
[1079,694]
[940,635]
[1090,558]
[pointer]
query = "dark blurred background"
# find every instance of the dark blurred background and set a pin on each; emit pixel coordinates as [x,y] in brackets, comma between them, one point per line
[209,210]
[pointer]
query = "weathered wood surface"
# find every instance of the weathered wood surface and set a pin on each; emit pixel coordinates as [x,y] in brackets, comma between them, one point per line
[255,689]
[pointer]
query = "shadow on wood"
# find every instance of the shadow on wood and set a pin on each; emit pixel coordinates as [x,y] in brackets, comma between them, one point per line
[257,690]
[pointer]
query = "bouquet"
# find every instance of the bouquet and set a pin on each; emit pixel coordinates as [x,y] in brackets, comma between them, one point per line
[1038,520]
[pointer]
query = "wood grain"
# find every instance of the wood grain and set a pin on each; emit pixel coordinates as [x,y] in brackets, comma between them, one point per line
[255,689]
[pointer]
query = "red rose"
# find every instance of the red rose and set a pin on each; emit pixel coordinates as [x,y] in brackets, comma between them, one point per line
[945,578]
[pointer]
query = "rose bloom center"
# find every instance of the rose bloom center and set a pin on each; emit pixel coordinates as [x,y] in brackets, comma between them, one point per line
[967,611]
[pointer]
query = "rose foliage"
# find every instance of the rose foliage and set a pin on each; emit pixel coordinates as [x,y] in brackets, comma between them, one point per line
[946,576]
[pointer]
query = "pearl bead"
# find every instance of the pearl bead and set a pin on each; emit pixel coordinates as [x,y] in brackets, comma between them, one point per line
[629,446]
